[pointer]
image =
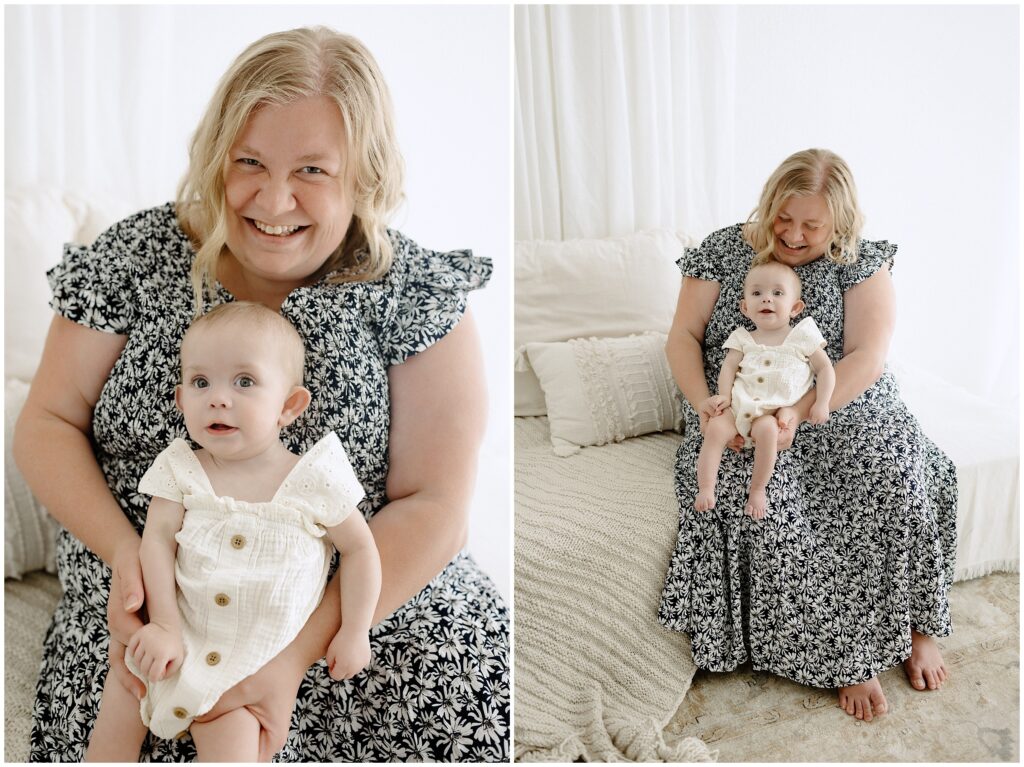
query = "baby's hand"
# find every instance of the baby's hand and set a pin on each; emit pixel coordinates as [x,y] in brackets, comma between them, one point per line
[818,414]
[715,405]
[348,654]
[157,651]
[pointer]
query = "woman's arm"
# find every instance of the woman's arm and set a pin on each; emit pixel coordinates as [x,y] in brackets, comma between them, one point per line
[869,310]
[52,450]
[684,348]
[438,412]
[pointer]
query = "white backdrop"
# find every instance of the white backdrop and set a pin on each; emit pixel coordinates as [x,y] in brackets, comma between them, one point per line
[103,100]
[635,117]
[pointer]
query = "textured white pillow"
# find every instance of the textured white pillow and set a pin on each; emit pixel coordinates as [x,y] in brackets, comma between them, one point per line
[29,532]
[602,390]
[608,287]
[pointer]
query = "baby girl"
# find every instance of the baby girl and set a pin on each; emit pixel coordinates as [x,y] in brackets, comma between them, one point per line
[237,543]
[764,372]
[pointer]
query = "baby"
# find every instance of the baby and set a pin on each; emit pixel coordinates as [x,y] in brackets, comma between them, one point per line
[234,554]
[764,371]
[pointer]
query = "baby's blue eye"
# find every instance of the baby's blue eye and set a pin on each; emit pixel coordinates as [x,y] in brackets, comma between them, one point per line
[245,382]
[200,383]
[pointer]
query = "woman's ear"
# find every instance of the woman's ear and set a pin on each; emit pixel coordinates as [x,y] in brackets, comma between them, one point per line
[297,401]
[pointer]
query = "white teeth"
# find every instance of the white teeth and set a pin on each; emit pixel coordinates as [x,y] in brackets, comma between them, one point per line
[278,231]
[793,247]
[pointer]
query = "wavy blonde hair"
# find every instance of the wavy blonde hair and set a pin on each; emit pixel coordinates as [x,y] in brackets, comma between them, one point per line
[803,174]
[279,69]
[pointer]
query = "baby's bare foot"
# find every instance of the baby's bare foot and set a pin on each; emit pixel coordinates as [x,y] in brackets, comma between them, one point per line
[924,667]
[864,701]
[705,500]
[757,504]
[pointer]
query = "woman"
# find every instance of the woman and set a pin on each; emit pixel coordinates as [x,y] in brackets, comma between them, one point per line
[849,572]
[292,173]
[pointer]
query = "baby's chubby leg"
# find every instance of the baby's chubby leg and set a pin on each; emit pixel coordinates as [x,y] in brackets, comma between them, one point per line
[765,433]
[118,733]
[232,737]
[719,431]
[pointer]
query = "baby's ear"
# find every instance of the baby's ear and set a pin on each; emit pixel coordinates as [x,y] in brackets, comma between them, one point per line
[797,308]
[177,397]
[297,401]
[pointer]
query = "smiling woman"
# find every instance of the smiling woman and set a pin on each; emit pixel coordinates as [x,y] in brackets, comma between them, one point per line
[293,173]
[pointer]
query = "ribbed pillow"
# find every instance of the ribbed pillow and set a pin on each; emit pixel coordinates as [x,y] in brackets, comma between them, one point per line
[601,390]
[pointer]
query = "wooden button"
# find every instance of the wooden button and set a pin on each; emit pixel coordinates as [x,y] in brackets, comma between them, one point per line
[222,600]
[746,415]
[181,713]
[213,659]
[760,379]
[181,735]
[238,541]
[767,363]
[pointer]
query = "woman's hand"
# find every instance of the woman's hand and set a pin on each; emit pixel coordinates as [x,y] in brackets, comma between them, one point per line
[126,597]
[269,695]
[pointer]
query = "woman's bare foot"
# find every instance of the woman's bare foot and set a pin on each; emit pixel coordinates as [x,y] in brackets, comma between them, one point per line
[757,504]
[705,500]
[864,701]
[924,667]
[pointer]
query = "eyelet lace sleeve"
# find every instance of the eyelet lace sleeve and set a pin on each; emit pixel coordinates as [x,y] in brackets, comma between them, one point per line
[430,291]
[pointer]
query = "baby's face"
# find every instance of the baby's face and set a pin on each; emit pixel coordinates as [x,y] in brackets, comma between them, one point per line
[771,296]
[233,390]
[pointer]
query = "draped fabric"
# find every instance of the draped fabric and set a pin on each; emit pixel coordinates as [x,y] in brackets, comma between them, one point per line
[624,119]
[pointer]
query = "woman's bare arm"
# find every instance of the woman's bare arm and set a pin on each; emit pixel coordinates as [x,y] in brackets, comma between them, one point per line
[869,309]
[438,414]
[685,346]
[51,438]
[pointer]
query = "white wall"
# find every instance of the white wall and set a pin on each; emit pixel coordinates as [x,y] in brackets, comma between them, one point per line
[103,99]
[924,104]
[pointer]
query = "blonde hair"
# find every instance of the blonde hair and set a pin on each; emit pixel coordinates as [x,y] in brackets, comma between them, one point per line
[264,323]
[803,174]
[279,69]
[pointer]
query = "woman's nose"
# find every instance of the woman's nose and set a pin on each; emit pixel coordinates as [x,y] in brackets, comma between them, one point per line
[275,196]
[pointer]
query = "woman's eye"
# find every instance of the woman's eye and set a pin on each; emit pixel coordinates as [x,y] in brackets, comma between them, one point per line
[312,169]
[245,382]
[248,161]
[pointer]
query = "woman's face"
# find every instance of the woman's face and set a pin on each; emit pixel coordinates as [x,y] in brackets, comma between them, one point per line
[289,191]
[802,229]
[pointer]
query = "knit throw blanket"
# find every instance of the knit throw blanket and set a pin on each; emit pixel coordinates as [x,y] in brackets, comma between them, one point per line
[597,677]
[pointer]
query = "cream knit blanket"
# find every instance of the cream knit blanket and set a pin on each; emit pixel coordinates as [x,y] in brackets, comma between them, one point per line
[596,676]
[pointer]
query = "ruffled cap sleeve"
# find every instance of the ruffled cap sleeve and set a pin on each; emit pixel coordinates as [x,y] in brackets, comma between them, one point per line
[93,285]
[324,486]
[170,476]
[737,340]
[871,256]
[429,291]
[806,337]
[718,254]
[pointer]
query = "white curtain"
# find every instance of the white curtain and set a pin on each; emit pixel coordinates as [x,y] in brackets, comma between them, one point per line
[613,108]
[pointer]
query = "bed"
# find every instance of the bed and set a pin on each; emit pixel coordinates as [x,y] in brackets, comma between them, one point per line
[596,676]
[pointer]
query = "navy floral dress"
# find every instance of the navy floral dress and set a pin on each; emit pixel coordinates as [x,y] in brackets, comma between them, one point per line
[437,687]
[859,540]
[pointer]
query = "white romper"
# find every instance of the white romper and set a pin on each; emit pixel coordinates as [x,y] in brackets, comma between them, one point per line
[248,574]
[770,377]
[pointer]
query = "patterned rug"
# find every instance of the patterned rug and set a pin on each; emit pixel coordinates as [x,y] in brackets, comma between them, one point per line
[754,716]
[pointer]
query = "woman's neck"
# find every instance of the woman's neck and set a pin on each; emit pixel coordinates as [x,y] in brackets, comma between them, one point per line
[247,287]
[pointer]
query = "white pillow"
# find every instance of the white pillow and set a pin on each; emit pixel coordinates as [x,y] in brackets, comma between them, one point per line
[29,532]
[608,287]
[37,223]
[602,390]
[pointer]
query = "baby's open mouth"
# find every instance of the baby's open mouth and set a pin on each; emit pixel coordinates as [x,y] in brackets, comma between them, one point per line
[219,427]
